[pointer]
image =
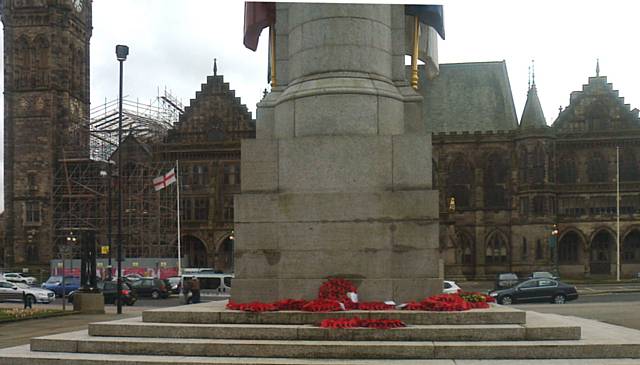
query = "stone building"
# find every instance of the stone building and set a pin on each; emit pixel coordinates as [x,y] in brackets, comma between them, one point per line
[519,188]
[56,191]
[46,98]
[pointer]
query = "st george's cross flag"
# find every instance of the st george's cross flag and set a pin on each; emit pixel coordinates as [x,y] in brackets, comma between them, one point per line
[165,180]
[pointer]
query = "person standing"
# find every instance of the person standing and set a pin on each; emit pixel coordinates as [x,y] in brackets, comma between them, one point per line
[186,290]
[195,289]
[26,299]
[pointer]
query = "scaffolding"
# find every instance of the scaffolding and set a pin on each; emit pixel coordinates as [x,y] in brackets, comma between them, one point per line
[85,188]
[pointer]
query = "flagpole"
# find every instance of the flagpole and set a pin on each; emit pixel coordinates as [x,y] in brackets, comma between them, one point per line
[617,213]
[178,209]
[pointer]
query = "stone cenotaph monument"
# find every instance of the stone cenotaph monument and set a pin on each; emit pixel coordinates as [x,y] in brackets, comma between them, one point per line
[338,182]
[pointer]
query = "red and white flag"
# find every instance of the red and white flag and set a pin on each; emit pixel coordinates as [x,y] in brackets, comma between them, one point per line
[165,180]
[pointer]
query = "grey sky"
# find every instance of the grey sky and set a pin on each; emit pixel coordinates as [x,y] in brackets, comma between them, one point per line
[173,44]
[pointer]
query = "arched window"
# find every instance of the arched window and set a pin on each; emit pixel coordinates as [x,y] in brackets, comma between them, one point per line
[568,248]
[496,252]
[523,166]
[567,173]
[539,158]
[465,249]
[631,247]
[628,165]
[41,61]
[22,63]
[597,168]
[539,250]
[495,178]
[459,182]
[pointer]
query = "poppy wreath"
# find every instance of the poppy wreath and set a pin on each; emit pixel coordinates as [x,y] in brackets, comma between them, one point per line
[357,322]
[290,304]
[322,305]
[337,289]
[474,297]
[252,307]
[375,306]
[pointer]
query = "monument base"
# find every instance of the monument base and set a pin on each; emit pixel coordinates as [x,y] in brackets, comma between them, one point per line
[89,303]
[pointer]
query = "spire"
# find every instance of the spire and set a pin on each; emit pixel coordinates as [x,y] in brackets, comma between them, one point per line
[532,116]
[597,67]
[215,66]
[533,73]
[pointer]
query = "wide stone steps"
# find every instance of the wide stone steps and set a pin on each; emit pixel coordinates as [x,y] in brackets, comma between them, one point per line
[23,356]
[535,329]
[204,314]
[81,342]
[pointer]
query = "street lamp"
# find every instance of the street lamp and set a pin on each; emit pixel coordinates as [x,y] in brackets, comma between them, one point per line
[109,175]
[121,54]
[554,246]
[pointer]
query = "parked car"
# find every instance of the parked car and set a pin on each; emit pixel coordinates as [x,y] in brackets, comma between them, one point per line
[543,275]
[54,283]
[15,277]
[150,287]
[14,292]
[174,284]
[536,290]
[450,287]
[109,290]
[133,277]
[505,280]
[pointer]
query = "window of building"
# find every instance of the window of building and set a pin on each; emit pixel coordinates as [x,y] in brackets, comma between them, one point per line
[628,165]
[523,166]
[524,249]
[495,178]
[524,206]
[567,173]
[227,209]
[539,250]
[538,205]
[631,247]
[32,210]
[32,253]
[568,248]
[539,158]
[459,181]
[199,175]
[186,209]
[231,174]
[201,206]
[466,249]
[597,170]
[496,252]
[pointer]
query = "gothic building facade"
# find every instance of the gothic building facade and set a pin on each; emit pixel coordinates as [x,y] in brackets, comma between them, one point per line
[46,98]
[527,196]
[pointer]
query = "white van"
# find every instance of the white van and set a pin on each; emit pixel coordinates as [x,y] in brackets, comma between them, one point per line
[211,284]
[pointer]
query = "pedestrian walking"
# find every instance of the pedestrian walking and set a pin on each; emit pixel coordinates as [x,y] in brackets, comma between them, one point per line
[186,290]
[26,299]
[195,289]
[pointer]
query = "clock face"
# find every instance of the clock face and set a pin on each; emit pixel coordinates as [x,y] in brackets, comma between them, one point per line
[77,4]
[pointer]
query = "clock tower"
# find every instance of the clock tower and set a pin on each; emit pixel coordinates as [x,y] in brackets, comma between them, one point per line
[46,115]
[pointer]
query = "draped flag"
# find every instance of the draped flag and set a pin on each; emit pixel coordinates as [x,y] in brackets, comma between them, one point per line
[431,15]
[165,180]
[257,16]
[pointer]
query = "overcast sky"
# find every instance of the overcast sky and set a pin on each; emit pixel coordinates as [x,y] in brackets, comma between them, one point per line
[173,44]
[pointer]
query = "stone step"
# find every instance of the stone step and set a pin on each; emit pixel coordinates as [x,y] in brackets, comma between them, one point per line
[215,312]
[23,356]
[569,349]
[535,329]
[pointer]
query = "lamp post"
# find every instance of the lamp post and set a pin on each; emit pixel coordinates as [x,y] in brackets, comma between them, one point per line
[109,176]
[121,54]
[554,243]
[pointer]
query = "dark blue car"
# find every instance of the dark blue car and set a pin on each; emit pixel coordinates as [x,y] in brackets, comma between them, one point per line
[54,283]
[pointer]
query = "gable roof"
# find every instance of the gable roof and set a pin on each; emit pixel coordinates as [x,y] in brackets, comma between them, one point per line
[596,108]
[473,96]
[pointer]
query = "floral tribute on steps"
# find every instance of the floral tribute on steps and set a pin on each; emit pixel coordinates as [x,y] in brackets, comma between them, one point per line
[341,295]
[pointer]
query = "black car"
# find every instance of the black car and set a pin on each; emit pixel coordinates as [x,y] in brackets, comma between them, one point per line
[536,290]
[109,290]
[150,287]
[174,284]
[505,280]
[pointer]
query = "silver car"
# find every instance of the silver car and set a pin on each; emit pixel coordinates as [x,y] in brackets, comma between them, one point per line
[14,292]
[18,278]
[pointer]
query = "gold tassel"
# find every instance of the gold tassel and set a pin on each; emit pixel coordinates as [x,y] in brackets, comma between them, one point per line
[414,57]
